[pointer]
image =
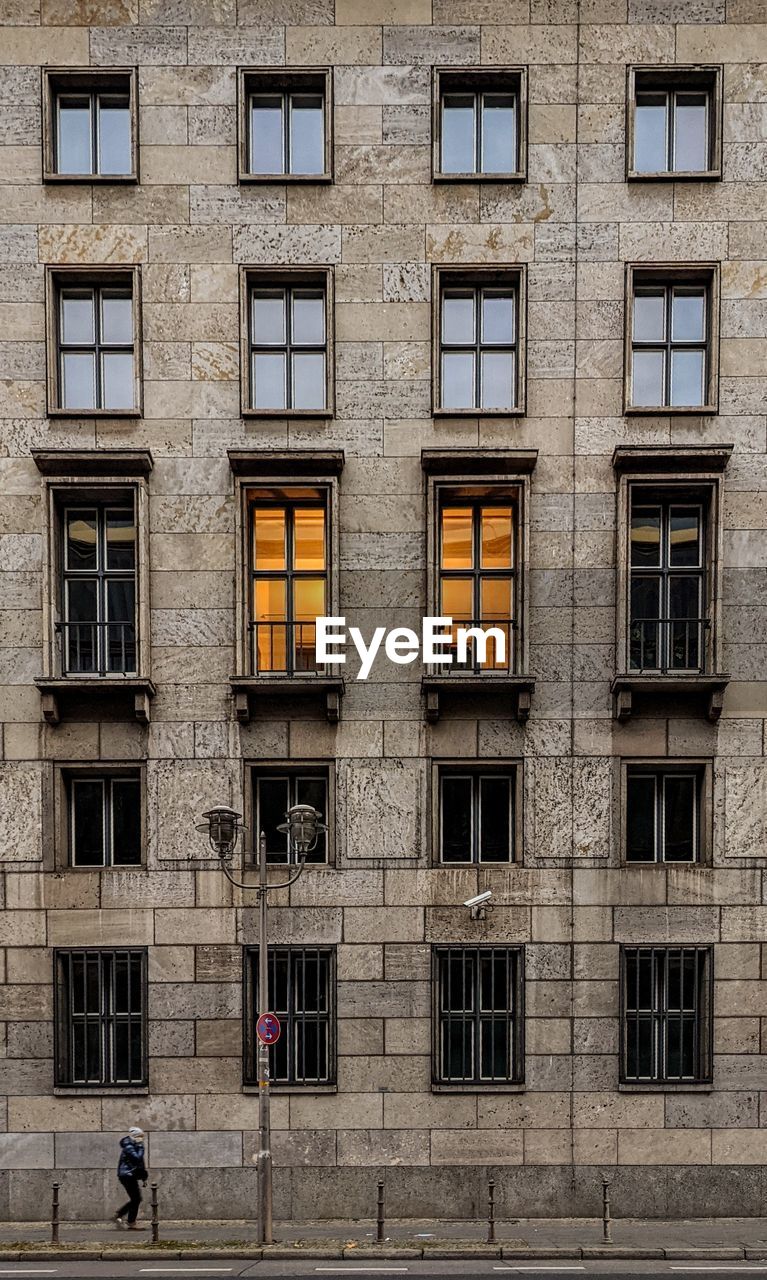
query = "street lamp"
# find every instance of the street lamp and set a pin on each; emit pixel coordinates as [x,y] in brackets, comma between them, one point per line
[303,827]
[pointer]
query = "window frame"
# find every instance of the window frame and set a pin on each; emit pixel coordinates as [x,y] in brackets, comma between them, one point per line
[64,774]
[477,81]
[470,766]
[250,997]
[481,278]
[671,79]
[102,576]
[63,1053]
[293,768]
[280,81]
[87,82]
[289,279]
[702,769]
[669,276]
[704,1020]
[515,1019]
[58,278]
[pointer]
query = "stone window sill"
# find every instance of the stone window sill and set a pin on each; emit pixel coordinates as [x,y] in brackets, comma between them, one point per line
[668,1087]
[283,1090]
[479,1088]
[100,1091]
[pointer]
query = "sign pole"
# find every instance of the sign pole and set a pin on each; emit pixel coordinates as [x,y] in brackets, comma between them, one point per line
[264,1160]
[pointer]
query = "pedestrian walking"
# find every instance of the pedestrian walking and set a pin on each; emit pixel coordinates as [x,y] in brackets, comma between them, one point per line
[131,1170]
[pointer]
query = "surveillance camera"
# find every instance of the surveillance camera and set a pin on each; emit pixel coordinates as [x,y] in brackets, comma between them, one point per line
[480,899]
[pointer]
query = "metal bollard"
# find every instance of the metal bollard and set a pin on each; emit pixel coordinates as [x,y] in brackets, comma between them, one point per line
[55,1215]
[607,1236]
[380,1218]
[491,1212]
[155,1215]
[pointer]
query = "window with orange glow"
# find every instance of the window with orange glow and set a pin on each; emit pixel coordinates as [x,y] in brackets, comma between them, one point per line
[477,570]
[289,582]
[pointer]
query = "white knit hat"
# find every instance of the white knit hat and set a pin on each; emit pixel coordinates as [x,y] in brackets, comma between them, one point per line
[135,1132]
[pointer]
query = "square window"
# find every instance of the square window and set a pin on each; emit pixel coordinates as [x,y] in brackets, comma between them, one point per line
[479,352]
[89,125]
[666,1002]
[285,126]
[302,994]
[480,118]
[671,339]
[665,819]
[100,1017]
[94,342]
[674,123]
[104,818]
[478,1020]
[477,813]
[275,789]
[287,343]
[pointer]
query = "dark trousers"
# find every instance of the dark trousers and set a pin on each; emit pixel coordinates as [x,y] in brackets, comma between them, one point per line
[131,1208]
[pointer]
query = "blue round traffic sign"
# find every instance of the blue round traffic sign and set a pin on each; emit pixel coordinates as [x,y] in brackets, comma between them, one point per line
[268,1028]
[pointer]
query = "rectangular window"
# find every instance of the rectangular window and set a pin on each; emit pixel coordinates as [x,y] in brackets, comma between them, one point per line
[89,125]
[285,125]
[104,820]
[288,344]
[93,332]
[479,343]
[302,994]
[479,1016]
[667,626]
[666,1014]
[671,332]
[477,814]
[277,789]
[289,578]
[663,813]
[480,124]
[477,577]
[98,589]
[101,1017]
[674,122]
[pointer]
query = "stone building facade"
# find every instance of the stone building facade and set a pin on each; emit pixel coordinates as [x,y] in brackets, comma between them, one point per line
[580,730]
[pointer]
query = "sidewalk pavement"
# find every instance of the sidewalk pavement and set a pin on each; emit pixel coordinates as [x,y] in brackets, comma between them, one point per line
[698,1238]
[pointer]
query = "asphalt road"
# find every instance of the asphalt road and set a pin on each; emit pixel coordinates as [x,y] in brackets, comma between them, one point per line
[469,1270]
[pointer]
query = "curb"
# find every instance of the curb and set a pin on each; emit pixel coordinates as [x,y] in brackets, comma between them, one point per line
[283,1253]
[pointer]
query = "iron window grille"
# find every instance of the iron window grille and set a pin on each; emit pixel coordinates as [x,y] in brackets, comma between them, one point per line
[302,994]
[663,814]
[476,816]
[670,337]
[95,337]
[100,1017]
[477,579]
[666,1014]
[274,792]
[286,133]
[98,627]
[667,572]
[104,820]
[479,1020]
[478,337]
[92,134]
[288,348]
[289,581]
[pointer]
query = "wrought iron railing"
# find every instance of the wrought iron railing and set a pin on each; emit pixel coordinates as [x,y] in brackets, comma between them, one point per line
[491,654]
[668,644]
[98,648]
[286,648]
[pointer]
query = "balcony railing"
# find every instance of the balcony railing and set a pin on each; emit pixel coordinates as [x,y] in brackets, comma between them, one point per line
[98,648]
[668,644]
[286,649]
[483,656]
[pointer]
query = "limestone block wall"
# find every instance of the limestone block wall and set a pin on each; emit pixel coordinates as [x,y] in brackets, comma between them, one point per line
[381,227]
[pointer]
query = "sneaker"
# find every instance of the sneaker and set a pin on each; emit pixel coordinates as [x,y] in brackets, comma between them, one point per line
[117,1220]
[136,1226]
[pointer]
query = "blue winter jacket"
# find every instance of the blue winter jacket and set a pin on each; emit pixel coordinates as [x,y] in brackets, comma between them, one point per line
[131,1159]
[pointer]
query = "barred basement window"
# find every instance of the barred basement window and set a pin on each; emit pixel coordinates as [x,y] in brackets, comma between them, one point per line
[100,1017]
[302,994]
[477,814]
[479,1021]
[663,814]
[667,1008]
[104,820]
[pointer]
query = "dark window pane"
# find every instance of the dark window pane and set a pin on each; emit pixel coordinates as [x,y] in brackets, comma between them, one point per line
[494,1049]
[494,993]
[87,799]
[81,550]
[679,811]
[645,536]
[456,819]
[640,818]
[644,631]
[495,831]
[273,802]
[121,632]
[458,1049]
[314,791]
[120,540]
[126,822]
[684,536]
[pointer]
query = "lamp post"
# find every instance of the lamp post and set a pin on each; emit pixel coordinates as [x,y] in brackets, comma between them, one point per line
[223,827]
